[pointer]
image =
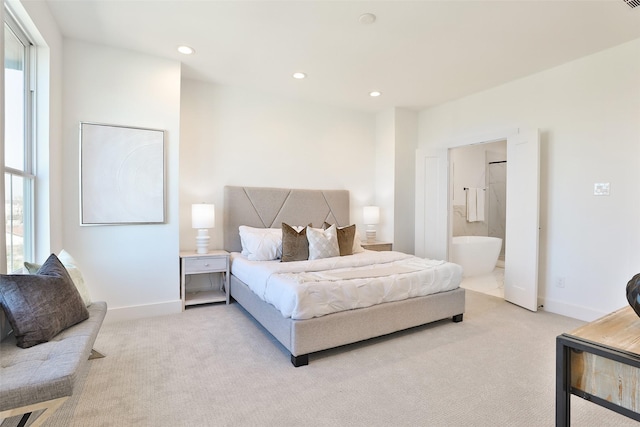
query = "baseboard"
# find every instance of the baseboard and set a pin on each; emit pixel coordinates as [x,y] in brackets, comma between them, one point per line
[133,312]
[569,310]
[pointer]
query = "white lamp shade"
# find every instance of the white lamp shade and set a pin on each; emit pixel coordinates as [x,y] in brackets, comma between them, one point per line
[371,215]
[203,215]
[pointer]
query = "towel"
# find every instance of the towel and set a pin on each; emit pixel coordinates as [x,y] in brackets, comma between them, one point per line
[480,204]
[472,196]
[475,204]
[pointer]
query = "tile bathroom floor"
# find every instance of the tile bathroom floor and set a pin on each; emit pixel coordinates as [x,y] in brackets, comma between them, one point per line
[490,284]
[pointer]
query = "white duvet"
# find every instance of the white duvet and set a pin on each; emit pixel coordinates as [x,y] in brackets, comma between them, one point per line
[307,289]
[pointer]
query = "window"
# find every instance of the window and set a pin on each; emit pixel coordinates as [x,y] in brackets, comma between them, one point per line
[18,145]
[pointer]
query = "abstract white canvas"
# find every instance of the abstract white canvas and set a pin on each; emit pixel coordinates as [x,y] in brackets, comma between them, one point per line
[121,175]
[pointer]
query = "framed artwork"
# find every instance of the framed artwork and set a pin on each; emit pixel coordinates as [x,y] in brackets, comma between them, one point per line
[121,175]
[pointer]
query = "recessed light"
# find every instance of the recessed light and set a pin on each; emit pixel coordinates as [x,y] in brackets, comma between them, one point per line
[367,18]
[186,50]
[375,93]
[299,75]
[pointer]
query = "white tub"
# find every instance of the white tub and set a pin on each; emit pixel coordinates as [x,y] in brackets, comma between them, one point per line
[476,254]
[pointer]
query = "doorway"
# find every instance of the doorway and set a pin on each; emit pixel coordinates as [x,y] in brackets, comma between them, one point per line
[478,179]
[433,206]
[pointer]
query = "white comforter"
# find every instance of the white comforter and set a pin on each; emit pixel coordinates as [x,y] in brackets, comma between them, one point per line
[306,289]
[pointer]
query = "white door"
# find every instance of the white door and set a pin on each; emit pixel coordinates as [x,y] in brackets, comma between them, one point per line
[432,204]
[522,228]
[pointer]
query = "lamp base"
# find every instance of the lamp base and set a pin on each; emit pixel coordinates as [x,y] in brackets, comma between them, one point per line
[371,235]
[202,241]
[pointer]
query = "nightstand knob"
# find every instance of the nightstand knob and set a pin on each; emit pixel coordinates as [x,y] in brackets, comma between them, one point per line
[206,265]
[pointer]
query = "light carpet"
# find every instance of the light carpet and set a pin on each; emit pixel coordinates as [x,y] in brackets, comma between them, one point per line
[214,366]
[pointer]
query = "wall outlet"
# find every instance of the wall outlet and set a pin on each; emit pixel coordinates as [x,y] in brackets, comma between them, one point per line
[560,282]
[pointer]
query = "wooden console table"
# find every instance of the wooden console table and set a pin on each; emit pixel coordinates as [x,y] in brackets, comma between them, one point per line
[600,362]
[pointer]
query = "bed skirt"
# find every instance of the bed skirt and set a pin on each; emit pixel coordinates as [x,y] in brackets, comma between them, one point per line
[301,337]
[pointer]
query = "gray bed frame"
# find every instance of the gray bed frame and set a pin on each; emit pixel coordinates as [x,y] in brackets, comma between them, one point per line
[268,208]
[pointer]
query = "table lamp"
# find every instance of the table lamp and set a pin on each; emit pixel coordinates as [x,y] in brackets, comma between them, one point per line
[203,217]
[371,216]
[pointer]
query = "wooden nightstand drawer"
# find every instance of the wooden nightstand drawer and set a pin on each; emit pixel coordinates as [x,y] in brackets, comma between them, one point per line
[203,265]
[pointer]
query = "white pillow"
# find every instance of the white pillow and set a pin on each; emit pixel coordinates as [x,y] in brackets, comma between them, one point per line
[76,276]
[261,244]
[323,243]
[357,247]
[74,272]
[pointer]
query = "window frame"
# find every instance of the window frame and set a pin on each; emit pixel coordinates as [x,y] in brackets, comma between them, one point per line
[29,164]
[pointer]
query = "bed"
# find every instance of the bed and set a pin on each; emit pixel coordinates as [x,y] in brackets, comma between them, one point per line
[302,332]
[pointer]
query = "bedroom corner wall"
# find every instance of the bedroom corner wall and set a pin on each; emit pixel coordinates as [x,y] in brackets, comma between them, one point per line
[396,142]
[385,153]
[406,131]
[134,268]
[587,112]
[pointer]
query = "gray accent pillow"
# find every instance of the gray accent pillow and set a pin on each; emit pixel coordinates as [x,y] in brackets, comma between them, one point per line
[40,306]
[346,235]
[295,246]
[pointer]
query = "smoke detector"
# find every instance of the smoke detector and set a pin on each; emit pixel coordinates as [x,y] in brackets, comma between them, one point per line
[632,3]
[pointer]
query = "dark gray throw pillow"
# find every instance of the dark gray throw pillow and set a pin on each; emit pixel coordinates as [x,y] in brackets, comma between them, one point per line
[40,306]
[633,293]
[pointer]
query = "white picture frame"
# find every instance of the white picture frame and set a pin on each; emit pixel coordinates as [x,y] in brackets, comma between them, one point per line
[122,175]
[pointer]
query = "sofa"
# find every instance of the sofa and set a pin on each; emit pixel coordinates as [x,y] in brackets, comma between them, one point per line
[44,376]
[52,332]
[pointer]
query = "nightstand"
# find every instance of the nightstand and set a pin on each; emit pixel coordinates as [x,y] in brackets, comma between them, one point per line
[194,263]
[377,246]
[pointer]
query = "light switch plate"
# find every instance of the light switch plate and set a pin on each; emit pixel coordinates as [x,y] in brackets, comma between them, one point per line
[601,189]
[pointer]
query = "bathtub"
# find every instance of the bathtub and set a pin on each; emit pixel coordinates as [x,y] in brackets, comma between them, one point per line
[476,254]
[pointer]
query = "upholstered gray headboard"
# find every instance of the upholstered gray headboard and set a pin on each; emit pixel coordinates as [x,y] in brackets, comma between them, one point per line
[269,207]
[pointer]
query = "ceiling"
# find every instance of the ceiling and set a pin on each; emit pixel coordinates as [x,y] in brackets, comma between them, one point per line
[417,53]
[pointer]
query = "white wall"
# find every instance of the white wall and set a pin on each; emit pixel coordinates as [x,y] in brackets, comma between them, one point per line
[235,136]
[384,173]
[135,268]
[396,142]
[587,111]
[406,130]
[469,170]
